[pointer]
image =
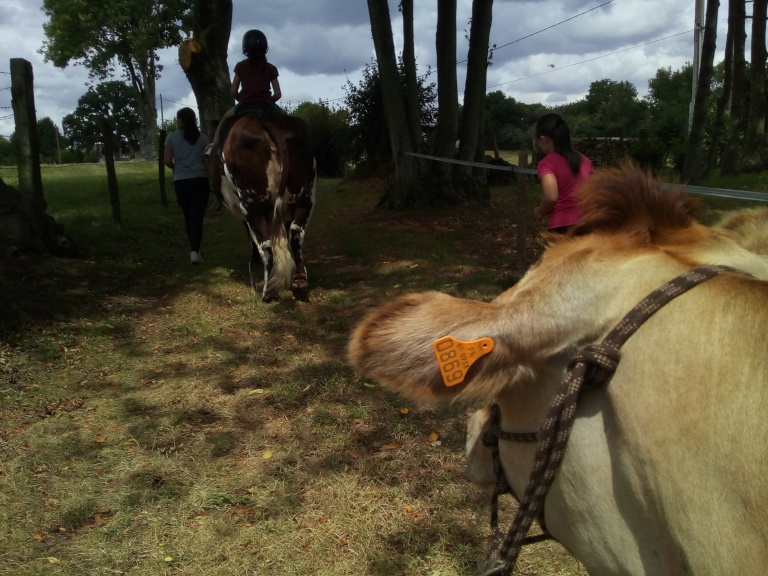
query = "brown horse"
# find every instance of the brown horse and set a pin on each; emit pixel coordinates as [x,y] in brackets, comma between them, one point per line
[264,172]
[664,472]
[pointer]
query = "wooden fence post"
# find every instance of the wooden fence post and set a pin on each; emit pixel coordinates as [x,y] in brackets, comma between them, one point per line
[23,103]
[109,160]
[522,215]
[161,169]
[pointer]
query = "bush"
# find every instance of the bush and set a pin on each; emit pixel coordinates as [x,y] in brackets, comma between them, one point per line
[330,137]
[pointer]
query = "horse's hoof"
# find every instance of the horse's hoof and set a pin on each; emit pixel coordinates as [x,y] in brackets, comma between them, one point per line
[270,298]
[301,294]
[300,289]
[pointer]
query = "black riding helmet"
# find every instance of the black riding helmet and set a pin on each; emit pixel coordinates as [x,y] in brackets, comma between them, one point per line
[255,43]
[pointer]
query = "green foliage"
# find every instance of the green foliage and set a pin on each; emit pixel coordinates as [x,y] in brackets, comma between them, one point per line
[7,152]
[669,98]
[370,138]
[615,107]
[511,120]
[47,138]
[83,128]
[330,136]
[101,34]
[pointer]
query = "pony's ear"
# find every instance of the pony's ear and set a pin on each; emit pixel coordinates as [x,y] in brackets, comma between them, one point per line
[395,344]
[390,345]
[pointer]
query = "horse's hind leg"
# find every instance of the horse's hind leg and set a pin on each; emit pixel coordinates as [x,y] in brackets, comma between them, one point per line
[262,246]
[299,282]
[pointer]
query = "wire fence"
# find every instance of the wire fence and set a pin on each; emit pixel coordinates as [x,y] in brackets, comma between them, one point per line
[749,195]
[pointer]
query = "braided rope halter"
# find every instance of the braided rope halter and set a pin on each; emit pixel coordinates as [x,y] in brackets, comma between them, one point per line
[591,367]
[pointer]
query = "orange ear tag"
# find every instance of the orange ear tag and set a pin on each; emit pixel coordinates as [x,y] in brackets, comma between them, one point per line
[455,357]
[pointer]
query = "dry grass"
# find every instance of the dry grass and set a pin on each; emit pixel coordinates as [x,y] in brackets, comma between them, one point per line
[157,418]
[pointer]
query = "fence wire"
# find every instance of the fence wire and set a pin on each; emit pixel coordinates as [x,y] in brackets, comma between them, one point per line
[749,195]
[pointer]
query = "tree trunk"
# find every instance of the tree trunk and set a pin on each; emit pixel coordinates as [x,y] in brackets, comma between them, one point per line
[148,113]
[204,60]
[736,25]
[143,82]
[473,116]
[753,158]
[713,154]
[447,101]
[412,106]
[404,187]
[692,165]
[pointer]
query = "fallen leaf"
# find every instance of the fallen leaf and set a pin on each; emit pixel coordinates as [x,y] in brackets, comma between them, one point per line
[168,558]
[53,560]
[38,537]
[257,391]
[98,520]
[267,455]
[408,509]
[101,438]
[353,454]
[392,446]
[403,410]
[433,437]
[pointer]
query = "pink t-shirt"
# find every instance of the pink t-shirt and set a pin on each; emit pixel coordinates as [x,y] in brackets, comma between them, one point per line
[566,211]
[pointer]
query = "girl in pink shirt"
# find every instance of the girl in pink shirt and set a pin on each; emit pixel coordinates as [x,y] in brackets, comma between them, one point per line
[561,172]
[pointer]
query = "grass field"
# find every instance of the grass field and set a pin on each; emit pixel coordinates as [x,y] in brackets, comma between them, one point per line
[158,419]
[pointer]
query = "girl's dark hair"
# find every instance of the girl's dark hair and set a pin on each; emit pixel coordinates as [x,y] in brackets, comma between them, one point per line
[189,121]
[554,127]
[257,61]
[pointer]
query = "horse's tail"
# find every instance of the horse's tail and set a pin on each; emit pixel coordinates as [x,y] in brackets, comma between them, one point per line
[283,265]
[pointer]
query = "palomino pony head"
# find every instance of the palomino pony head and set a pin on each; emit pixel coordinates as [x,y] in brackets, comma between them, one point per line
[634,234]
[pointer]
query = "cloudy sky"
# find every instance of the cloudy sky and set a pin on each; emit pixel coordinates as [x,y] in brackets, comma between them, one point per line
[547,52]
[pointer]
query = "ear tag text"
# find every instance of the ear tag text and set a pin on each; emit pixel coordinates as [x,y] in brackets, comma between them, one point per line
[455,357]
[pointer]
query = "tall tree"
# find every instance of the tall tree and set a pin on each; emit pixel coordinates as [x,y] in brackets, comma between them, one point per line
[203,57]
[472,142]
[114,101]
[412,107]
[715,136]
[121,33]
[669,99]
[692,166]
[615,106]
[406,183]
[48,139]
[404,186]
[737,29]
[753,157]
[447,128]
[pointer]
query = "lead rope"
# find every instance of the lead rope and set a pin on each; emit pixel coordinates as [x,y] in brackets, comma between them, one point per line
[592,366]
